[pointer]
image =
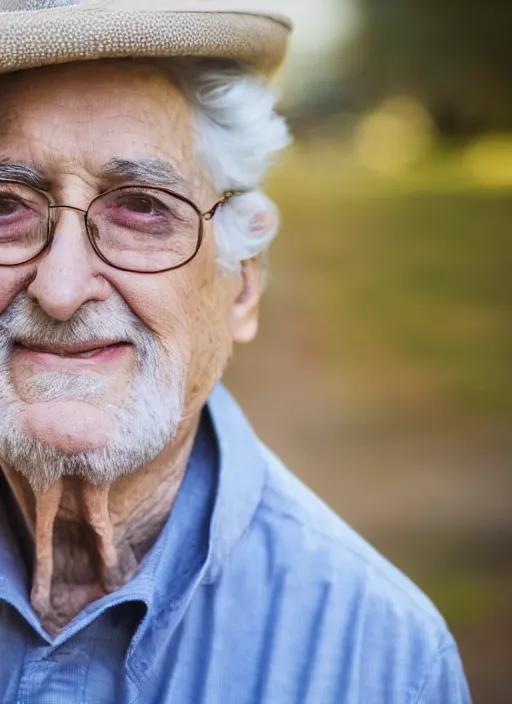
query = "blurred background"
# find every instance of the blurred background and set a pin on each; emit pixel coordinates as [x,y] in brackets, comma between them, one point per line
[381,374]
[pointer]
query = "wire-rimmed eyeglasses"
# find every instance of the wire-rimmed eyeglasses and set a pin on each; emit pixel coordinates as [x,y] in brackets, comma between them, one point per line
[141,229]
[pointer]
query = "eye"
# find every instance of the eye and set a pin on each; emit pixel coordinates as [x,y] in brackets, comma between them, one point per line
[11,206]
[140,204]
[143,213]
[138,211]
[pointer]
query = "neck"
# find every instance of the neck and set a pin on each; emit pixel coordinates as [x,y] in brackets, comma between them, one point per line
[90,540]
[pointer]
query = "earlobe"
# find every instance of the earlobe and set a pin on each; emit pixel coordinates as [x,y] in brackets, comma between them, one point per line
[245,309]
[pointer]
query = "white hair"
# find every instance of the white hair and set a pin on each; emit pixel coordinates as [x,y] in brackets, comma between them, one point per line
[238,133]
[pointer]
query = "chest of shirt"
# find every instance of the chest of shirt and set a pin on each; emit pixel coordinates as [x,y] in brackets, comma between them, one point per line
[236,644]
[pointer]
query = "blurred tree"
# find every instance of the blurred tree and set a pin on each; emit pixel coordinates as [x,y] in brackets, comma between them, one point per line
[453,55]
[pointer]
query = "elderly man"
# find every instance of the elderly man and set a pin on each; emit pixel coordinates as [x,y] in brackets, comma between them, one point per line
[151,549]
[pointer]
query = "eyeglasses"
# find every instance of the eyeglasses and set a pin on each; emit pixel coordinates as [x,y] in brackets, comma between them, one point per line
[133,228]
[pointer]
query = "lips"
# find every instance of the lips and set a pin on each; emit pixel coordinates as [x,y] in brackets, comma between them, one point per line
[80,350]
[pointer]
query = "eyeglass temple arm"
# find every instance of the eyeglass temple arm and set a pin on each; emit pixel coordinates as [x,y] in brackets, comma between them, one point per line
[225,198]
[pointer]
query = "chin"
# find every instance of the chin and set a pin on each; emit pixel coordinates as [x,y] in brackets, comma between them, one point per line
[48,440]
[93,426]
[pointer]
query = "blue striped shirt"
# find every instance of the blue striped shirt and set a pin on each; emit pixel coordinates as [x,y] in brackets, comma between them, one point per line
[254,593]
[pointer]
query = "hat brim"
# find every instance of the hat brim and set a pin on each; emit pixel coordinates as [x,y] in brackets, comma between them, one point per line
[62,35]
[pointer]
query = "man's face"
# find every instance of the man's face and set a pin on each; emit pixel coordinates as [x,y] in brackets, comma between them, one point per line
[107,413]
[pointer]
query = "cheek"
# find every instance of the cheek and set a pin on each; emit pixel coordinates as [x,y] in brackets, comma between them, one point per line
[188,308]
[210,344]
[210,331]
[12,281]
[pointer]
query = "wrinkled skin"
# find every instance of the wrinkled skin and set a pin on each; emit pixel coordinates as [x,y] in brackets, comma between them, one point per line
[67,122]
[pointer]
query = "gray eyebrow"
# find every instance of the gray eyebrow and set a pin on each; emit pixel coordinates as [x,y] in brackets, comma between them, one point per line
[152,172]
[25,174]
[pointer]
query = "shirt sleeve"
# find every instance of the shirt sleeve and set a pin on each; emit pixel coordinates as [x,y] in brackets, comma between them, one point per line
[446,682]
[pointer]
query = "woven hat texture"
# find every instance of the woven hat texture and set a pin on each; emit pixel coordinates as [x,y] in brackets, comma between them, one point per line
[42,32]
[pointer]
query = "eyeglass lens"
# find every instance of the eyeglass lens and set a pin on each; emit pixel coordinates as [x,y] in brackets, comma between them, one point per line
[135,228]
[23,223]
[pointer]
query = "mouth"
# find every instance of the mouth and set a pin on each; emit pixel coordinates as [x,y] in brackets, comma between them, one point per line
[93,351]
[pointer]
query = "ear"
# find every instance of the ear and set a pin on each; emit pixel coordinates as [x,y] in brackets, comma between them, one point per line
[245,311]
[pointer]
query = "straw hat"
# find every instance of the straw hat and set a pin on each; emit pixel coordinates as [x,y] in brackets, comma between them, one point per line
[42,32]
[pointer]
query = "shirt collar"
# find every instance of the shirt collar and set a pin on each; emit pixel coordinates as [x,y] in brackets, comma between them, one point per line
[217,500]
[241,478]
[14,575]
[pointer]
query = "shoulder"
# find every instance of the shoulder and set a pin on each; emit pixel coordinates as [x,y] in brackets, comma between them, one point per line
[306,608]
[371,617]
[306,532]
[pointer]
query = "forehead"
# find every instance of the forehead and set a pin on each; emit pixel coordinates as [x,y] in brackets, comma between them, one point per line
[77,117]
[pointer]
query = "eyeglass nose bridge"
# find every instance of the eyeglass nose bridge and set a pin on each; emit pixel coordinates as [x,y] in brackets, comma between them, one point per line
[52,221]
[68,207]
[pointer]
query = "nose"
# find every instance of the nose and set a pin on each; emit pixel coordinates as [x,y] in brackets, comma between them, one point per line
[68,274]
